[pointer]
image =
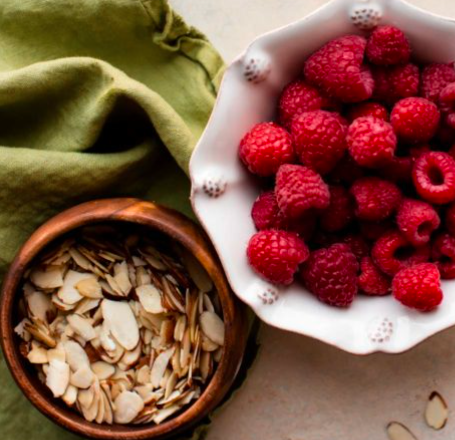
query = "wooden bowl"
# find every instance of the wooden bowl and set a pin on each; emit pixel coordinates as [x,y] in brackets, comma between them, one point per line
[170,223]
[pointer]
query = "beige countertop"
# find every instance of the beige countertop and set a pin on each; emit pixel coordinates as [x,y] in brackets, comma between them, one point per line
[301,389]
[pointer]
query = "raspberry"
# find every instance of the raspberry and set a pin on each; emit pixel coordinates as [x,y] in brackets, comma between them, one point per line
[371,280]
[450,219]
[415,119]
[276,255]
[434,78]
[398,169]
[319,140]
[340,211]
[347,170]
[373,230]
[265,147]
[443,255]
[388,45]
[265,212]
[447,104]
[394,83]
[375,199]
[337,69]
[434,177]
[299,189]
[357,244]
[371,141]
[418,287]
[364,109]
[392,253]
[296,98]
[417,220]
[331,274]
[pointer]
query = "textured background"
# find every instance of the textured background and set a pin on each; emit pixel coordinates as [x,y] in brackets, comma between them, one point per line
[301,389]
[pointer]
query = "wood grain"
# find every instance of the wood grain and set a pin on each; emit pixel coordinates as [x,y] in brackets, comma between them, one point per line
[158,218]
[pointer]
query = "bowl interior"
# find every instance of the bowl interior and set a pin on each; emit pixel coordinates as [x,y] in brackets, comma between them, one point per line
[223,192]
[152,221]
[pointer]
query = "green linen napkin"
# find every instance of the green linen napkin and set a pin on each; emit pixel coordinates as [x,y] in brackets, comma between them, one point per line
[98,98]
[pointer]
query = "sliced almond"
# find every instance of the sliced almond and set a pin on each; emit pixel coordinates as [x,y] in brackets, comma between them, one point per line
[57,378]
[70,395]
[39,305]
[82,378]
[180,327]
[82,326]
[142,276]
[205,366]
[108,411]
[122,278]
[75,355]
[38,355]
[165,413]
[397,431]
[79,259]
[436,413]
[51,278]
[91,411]
[167,332]
[212,326]
[86,305]
[121,323]
[207,344]
[150,298]
[57,353]
[103,370]
[143,375]
[41,334]
[90,288]
[68,293]
[159,367]
[128,405]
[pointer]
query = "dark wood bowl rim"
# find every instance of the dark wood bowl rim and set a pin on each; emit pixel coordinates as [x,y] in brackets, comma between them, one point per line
[170,223]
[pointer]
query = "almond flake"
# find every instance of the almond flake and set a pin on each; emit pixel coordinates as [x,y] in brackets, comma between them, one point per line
[82,326]
[90,288]
[127,406]
[82,377]
[397,431]
[103,370]
[212,326]
[159,367]
[68,292]
[150,298]
[51,278]
[57,378]
[436,413]
[122,278]
[70,395]
[38,355]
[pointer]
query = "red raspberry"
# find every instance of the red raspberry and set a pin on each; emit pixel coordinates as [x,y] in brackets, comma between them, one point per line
[443,255]
[276,255]
[447,104]
[392,253]
[265,147]
[265,212]
[388,45]
[398,169]
[415,119]
[340,211]
[337,69]
[375,199]
[434,177]
[371,141]
[450,219]
[297,97]
[357,244]
[319,140]
[365,109]
[418,287]
[417,220]
[434,78]
[371,280]
[347,170]
[394,83]
[331,274]
[299,189]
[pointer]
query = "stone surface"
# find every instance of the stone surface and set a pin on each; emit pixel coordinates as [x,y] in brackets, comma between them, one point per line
[301,389]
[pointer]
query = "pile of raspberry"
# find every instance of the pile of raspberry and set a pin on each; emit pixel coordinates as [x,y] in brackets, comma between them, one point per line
[358,175]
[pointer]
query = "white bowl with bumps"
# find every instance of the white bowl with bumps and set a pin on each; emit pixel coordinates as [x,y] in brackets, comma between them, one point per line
[223,191]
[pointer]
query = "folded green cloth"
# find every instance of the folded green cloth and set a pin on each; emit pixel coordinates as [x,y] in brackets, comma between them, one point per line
[98,98]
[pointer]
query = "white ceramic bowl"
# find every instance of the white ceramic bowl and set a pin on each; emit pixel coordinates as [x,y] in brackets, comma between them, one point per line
[223,192]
